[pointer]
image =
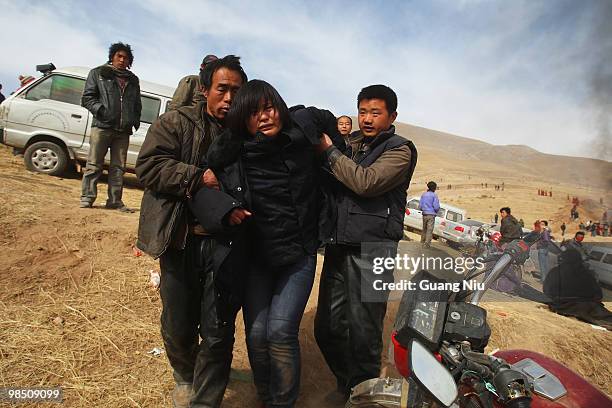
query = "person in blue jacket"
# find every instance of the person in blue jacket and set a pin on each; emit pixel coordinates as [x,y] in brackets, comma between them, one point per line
[429,206]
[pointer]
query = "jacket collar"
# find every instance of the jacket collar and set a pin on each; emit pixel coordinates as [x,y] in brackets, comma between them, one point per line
[108,72]
[357,141]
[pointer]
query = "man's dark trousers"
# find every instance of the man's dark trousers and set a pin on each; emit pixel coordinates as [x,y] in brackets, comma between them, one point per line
[190,312]
[347,329]
[101,141]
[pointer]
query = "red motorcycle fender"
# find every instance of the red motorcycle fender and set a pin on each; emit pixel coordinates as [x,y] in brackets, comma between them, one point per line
[580,393]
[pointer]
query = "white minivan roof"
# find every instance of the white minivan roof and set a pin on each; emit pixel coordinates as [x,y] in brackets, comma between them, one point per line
[146,86]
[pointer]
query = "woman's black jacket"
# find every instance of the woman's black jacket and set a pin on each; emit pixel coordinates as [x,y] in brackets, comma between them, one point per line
[309,185]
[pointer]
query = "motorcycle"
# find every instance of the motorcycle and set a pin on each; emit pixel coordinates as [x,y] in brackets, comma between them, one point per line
[487,242]
[438,346]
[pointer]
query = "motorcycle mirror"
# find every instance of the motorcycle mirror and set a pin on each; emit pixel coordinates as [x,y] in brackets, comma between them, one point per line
[431,375]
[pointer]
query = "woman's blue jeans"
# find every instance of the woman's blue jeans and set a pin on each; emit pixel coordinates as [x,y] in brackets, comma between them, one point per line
[273,309]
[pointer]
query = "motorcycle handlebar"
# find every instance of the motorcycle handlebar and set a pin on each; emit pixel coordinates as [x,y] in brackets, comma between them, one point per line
[498,268]
[503,262]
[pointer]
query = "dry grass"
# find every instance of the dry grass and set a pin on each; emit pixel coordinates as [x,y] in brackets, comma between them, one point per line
[78,313]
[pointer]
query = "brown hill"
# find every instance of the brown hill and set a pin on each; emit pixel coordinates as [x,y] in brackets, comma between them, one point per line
[440,152]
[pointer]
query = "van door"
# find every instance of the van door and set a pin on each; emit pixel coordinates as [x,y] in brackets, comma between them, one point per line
[150,111]
[53,104]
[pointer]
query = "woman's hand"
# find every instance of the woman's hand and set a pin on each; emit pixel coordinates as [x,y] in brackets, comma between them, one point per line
[237,216]
[210,180]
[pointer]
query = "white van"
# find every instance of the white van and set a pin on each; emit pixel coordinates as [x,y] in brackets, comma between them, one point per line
[45,121]
[448,218]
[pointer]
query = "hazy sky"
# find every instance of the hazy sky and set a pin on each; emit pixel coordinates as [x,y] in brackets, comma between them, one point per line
[506,72]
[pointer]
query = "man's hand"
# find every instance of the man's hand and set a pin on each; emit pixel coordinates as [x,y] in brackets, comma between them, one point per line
[237,216]
[325,144]
[210,180]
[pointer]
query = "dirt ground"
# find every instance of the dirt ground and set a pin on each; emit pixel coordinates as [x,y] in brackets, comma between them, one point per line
[78,311]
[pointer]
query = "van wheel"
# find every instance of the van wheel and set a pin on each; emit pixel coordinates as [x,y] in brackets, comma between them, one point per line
[46,157]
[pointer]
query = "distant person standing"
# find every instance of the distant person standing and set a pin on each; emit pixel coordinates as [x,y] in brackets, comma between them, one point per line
[496,218]
[429,205]
[112,95]
[510,228]
[2,97]
[563,227]
[189,90]
[345,126]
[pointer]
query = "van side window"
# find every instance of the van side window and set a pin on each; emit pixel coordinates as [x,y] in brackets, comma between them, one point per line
[150,109]
[453,216]
[608,259]
[58,88]
[441,212]
[413,204]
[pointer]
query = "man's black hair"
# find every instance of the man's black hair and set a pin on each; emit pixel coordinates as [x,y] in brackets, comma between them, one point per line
[230,62]
[249,99]
[379,92]
[506,209]
[545,222]
[579,233]
[348,117]
[116,47]
[431,186]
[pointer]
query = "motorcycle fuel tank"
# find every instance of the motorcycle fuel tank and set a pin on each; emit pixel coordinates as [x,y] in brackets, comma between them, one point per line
[573,390]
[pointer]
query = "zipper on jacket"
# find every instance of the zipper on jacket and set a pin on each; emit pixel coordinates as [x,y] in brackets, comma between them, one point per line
[121,108]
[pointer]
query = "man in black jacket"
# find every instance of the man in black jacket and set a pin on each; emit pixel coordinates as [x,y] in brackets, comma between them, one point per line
[375,173]
[112,95]
[172,167]
[510,228]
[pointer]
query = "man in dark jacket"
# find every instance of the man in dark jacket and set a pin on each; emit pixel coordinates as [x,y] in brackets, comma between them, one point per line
[189,91]
[172,167]
[112,95]
[375,173]
[510,228]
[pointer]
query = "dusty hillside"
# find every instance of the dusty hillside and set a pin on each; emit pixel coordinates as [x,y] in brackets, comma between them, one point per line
[517,162]
[78,313]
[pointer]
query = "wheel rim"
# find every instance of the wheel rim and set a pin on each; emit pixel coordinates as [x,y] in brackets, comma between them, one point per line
[44,159]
